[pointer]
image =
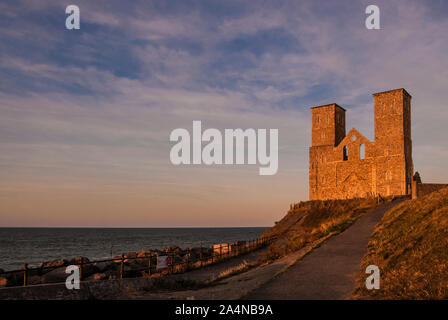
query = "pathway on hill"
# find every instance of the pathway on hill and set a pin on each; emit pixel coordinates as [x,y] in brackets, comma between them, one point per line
[329,271]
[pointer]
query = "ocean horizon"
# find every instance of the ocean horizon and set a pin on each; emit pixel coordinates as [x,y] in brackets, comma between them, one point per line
[32,245]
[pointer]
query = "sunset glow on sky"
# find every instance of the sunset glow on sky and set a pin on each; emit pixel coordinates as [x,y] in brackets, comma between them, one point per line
[86,115]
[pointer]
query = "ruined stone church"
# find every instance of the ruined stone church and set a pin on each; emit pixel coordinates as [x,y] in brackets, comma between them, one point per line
[349,165]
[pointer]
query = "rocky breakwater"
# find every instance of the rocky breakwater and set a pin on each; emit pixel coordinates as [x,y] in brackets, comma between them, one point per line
[132,264]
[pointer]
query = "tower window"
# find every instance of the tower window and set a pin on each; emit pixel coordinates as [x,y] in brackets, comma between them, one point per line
[345,153]
[362,152]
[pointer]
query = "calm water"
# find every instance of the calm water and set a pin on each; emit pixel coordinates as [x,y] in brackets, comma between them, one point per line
[34,245]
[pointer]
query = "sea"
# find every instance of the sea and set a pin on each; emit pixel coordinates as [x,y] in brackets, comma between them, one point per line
[35,245]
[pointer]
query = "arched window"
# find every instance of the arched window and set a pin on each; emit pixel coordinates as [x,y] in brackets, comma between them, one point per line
[345,153]
[362,152]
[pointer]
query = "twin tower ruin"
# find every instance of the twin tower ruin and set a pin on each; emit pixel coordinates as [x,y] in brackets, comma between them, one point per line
[349,165]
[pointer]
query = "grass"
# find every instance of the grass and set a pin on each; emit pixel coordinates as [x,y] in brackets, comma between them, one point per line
[233,271]
[309,221]
[410,247]
[176,285]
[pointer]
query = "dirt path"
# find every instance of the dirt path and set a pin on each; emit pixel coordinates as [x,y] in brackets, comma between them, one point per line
[211,272]
[232,288]
[329,271]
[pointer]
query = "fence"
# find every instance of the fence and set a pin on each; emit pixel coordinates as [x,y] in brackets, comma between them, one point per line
[130,266]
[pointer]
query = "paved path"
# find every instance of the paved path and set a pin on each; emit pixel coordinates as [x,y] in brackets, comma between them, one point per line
[329,271]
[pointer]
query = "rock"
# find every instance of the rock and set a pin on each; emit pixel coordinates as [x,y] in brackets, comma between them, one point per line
[88,270]
[106,266]
[4,282]
[131,255]
[174,248]
[12,279]
[33,280]
[144,253]
[56,275]
[53,263]
[98,276]
[77,260]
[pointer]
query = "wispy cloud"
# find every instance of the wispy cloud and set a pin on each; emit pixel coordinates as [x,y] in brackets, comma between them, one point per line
[89,112]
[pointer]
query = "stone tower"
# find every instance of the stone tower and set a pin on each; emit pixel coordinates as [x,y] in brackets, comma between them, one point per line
[328,125]
[346,166]
[393,138]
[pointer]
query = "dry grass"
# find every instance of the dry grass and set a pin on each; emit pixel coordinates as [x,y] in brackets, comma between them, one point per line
[242,267]
[309,221]
[410,246]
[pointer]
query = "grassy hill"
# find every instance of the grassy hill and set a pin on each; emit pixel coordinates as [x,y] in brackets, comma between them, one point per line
[410,247]
[309,221]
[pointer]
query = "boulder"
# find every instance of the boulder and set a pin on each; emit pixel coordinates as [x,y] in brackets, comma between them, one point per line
[33,280]
[59,274]
[174,248]
[138,263]
[131,255]
[56,275]
[98,276]
[106,266]
[53,263]
[144,253]
[88,270]
[13,279]
[77,260]
[4,282]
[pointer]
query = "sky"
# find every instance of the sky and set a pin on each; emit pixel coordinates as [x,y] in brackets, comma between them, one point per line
[85,115]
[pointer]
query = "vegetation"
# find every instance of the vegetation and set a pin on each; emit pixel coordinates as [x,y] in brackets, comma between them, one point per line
[309,221]
[233,271]
[162,284]
[410,247]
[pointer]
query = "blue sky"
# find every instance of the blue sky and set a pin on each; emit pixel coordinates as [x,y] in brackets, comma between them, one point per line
[85,115]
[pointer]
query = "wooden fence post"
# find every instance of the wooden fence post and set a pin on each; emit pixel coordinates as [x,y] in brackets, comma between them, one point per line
[200,255]
[188,259]
[149,264]
[81,268]
[122,266]
[25,274]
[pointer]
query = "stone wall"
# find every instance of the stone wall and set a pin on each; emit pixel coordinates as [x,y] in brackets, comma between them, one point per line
[421,189]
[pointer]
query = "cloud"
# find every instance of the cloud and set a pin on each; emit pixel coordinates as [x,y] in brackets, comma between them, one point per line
[90,112]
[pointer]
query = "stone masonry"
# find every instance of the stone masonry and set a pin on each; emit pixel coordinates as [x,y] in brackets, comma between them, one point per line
[343,166]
